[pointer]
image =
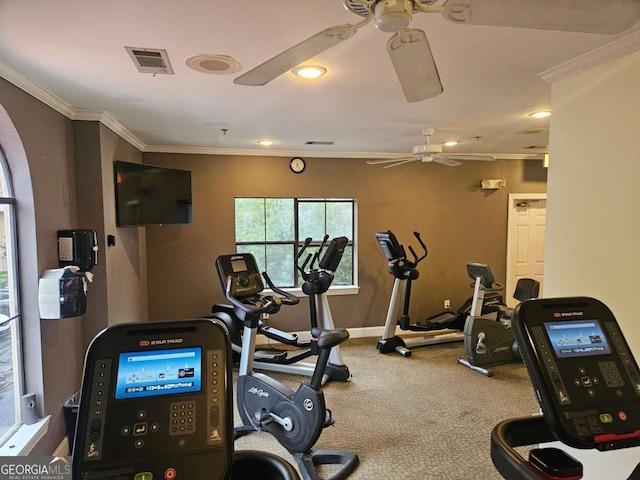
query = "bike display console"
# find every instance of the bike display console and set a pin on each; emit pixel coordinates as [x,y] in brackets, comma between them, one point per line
[583,372]
[155,403]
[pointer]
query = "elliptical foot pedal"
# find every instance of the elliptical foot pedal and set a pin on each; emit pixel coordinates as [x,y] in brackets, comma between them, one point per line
[309,461]
[270,355]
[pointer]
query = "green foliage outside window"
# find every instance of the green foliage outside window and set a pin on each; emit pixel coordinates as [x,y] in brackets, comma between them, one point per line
[273,229]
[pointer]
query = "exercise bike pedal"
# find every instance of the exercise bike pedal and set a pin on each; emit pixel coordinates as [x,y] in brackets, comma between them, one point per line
[329,420]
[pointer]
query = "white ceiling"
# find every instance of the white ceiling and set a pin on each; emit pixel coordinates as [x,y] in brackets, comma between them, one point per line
[75,50]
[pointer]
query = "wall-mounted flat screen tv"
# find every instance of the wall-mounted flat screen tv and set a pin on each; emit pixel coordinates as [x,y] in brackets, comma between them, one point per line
[150,195]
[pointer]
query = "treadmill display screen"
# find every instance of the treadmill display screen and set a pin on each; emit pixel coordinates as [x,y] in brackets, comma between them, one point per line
[159,372]
[580,338]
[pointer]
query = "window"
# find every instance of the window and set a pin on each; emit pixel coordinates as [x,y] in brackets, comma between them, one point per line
[11,373]
[274,229]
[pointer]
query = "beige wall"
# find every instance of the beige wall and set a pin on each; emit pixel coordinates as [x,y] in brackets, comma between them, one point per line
[593,233]
[458,222]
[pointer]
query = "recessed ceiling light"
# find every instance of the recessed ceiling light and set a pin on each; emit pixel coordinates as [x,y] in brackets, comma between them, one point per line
[540,114]
[266,142]
[309,71]
[451,143]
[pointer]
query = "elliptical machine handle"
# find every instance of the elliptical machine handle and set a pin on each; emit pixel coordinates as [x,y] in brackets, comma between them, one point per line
[307,242]
[287,298]
[417,260]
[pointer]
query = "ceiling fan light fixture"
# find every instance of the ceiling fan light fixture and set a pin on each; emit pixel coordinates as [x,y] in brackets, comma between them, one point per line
[540,114]
[394,16]
[309,71]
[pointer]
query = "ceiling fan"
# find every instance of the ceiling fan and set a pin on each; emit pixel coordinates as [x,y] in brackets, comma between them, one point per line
[429,152]
[409,48]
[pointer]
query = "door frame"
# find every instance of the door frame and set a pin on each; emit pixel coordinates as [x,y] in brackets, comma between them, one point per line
[514,198]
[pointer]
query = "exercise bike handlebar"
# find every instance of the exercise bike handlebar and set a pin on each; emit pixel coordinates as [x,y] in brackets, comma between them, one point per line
[266,307]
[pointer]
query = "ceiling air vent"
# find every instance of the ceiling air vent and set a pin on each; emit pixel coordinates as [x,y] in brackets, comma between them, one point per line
[318,142]
[150,60]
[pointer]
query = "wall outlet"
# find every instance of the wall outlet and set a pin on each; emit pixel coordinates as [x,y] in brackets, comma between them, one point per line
[447,304]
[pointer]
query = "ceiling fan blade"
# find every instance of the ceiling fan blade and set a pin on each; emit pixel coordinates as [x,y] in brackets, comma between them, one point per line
[402,162]
[388,160]
[445,160]
[591,16]
[414,64]
[482,158]
[297,54]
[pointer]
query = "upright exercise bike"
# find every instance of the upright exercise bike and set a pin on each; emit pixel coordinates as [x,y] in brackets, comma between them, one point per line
[488,336]
[317,271]
[441,328]
[294,418]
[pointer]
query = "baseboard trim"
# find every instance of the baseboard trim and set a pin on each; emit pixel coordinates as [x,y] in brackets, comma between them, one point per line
[62,449]
[361,332]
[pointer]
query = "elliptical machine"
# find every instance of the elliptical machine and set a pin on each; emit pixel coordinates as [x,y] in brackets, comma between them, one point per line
[317,271]
[294,418]
[441,328]
[488,337]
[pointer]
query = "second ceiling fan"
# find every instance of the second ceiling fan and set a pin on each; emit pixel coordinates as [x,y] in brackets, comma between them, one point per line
[429,152]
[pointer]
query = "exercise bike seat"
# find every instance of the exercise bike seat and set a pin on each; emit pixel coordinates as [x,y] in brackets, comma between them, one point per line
[327,339]
[526,289]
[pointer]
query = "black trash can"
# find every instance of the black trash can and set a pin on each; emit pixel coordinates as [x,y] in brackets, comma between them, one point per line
[70,409]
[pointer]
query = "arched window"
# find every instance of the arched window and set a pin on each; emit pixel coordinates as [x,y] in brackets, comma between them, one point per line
[11,371]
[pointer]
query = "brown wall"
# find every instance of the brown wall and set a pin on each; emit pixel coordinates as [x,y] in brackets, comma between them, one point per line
[39,149]
[52,158]
[458,221]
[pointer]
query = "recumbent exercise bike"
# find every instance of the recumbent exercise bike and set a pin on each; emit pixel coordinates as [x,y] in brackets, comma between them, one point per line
[295,418]
[488,337]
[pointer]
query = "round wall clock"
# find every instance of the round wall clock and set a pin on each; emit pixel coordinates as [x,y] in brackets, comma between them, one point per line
[297,165]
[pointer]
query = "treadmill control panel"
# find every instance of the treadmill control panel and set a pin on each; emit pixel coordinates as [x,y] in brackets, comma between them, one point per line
[156,403]
[583,372]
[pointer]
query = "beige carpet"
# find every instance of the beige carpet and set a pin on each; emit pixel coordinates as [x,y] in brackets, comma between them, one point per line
[423,417]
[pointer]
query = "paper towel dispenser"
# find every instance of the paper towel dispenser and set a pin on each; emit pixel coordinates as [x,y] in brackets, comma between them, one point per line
[78,248]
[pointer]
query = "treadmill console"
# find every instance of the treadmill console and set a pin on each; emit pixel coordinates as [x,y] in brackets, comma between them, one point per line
[156,403]
[583,372]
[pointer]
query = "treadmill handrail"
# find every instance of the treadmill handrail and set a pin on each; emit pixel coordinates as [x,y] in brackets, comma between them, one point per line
[518,432]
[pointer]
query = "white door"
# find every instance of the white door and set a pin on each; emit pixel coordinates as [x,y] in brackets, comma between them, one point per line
[525,240]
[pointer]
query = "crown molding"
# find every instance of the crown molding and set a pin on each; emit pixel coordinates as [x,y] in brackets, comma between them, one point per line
[32,88]
[618,48]
[111,123]
[21,81]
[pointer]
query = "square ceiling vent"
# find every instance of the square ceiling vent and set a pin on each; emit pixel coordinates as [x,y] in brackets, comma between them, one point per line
[150,60]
